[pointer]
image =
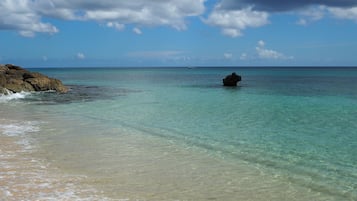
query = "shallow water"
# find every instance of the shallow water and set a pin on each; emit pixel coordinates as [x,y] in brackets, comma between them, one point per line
[176,134]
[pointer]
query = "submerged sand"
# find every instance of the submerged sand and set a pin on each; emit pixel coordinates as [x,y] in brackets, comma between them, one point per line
[146,168]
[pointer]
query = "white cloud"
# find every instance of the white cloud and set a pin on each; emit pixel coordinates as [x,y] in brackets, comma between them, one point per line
[25,16]
[150,13]
[243,56]
[20,16]
[315,13]
[268,54]
[311,14]
[232,22]
[137,31]
[80,55]
[228,55]
[302,22]
[116,25]
[234,16]
[231,32]
[264,53]
[261,43]
[285,6]
[344,13]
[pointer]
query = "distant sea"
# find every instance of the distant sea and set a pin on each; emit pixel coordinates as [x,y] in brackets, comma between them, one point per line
[178,134]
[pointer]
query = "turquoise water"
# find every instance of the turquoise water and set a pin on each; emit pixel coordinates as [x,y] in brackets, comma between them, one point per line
[177,134]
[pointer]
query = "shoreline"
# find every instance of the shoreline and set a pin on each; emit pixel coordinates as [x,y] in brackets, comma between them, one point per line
[186,172]
[146,167]
[180,173]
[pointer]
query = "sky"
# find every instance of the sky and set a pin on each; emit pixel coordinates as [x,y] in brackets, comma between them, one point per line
[124,33]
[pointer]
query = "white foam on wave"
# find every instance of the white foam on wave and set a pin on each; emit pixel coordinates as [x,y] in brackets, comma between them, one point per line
[19,128]
[8,96]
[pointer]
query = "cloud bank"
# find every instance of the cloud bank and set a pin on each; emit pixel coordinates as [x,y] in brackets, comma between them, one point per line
[29,17]
[279,6]
[26,16]
[233,22]
[20,15]
[234,16]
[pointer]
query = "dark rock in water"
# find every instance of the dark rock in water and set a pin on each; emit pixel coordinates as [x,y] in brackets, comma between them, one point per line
[16,79]
[232,80]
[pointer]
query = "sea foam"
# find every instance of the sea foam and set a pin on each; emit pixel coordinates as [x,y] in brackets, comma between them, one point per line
[19,128]
[8,96]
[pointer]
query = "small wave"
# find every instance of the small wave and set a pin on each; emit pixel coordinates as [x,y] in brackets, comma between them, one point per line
[19,128]
[12,96]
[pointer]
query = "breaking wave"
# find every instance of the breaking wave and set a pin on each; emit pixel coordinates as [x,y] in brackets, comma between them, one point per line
[9,96]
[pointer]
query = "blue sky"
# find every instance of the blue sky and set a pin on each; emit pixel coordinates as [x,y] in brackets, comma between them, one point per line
[81,33]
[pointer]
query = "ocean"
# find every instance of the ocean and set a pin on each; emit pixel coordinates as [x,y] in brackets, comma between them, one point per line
[177,134]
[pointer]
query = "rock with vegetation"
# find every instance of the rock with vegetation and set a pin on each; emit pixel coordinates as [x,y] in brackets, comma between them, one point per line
[15,79]
[232,80]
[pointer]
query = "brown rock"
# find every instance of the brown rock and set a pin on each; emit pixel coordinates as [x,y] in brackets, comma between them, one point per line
[16,85]
[3,69]
[13,67]
[17,79]
[58,86]
[2,79]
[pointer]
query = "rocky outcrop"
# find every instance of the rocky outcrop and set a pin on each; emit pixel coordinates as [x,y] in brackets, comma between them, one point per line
[232,80]
[16,79]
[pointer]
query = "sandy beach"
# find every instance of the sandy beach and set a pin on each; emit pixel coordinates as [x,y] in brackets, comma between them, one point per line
[25,177]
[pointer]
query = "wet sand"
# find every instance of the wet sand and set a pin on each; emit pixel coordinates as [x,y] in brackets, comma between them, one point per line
[24,177]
